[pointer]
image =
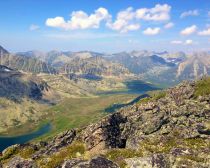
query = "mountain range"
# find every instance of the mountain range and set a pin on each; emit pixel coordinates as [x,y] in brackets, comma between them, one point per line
[24,63]
[156,67]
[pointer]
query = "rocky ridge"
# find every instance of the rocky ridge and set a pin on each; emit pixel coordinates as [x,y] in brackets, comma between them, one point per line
[169,129]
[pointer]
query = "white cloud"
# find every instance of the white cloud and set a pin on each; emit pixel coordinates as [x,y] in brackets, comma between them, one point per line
[80,20]
[186,42]
[158,13]
[56,22]
[189,30]
[126,20]
[33,27]
[151,31]
[189,42]
[205,32]
[176,42]
[189,13]
[209,13]
[131,27]
[169,25]
[123,21]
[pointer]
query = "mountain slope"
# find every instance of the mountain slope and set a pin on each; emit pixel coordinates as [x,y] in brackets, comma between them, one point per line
[14,86]
[96,65]
[168,129]
[23,98]
[194,67]
[58,58]
[140,64]
[27,64]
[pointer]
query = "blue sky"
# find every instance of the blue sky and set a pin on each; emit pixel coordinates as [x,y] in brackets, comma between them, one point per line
[105,25]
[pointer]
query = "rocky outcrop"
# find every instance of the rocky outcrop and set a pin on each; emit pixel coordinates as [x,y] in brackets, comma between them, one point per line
[106,132]
[171,129]
[61,141]
[154,161]
[176,111]
[97,162]
[18,162]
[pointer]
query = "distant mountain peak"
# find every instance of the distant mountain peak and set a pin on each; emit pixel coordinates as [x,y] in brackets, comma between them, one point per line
[3,51]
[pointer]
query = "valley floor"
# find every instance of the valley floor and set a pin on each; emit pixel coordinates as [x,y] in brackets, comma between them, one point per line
[72,113]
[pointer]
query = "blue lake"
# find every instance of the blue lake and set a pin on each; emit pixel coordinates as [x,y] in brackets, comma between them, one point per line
[8,141]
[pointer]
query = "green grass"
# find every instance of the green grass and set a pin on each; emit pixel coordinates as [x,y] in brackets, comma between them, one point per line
[75,150]
[26,152]
[71,113]
[153,96]
[202,87]
[118,155]
[79,112]
[9,153]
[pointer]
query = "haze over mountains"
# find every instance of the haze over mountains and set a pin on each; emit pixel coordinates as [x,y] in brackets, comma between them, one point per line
[156,67]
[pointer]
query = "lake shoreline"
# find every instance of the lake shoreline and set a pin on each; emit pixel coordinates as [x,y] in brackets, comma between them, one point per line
[7,141]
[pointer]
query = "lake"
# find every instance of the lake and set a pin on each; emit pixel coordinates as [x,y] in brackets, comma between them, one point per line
[134,87]
[8,141]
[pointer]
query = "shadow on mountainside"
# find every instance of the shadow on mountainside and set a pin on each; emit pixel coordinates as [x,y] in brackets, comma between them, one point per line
[13,88]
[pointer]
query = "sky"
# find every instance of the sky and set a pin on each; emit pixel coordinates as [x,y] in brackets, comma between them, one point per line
[105,25]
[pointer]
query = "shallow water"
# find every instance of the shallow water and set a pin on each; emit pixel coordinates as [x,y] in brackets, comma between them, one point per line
[8,141]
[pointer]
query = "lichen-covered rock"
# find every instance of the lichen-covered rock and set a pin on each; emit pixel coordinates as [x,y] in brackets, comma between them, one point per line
[154,161]
[97,162]
[101,162]
[73,162]
[10,150]
[18,162]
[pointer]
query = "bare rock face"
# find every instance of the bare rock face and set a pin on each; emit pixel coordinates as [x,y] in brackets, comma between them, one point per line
[56,144]
[107,131]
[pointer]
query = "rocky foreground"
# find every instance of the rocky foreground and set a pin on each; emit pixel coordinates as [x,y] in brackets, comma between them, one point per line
[169,129]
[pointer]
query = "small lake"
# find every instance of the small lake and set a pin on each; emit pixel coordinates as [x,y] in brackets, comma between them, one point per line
[8,141]
[134,87]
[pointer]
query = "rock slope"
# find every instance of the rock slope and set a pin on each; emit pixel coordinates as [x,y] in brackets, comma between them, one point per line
[27,64]
[170,129]
[16,85]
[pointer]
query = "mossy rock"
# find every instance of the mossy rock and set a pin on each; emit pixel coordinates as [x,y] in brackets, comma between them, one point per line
[75,150]
[118,155]
[27,152]
[9,152]
[153,96]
